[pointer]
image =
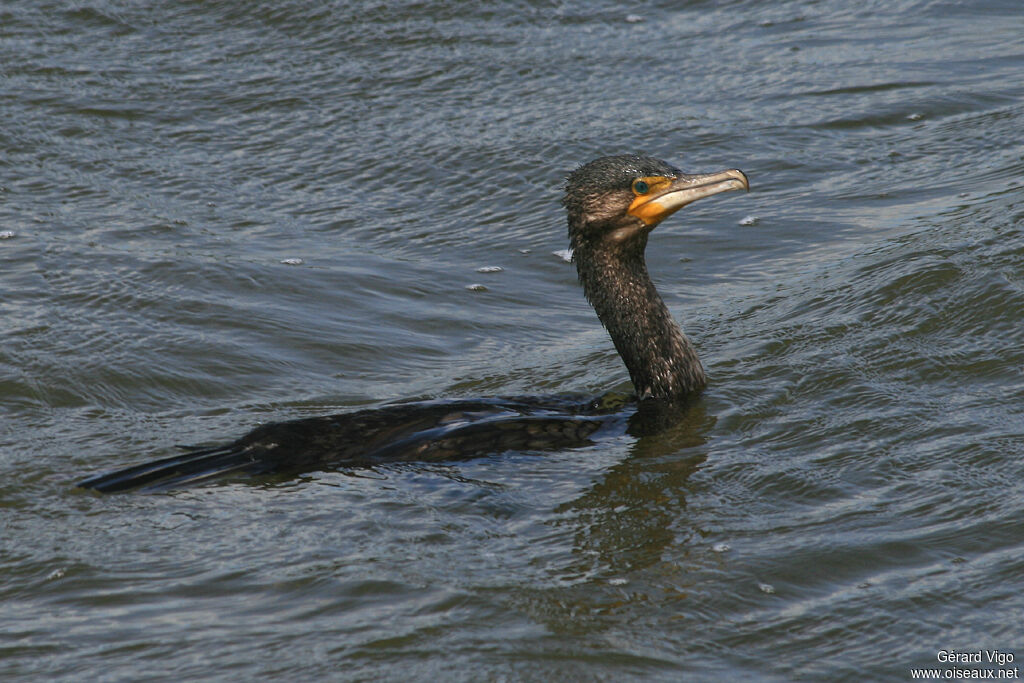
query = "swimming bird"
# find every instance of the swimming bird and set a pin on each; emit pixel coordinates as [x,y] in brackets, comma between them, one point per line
[612,204]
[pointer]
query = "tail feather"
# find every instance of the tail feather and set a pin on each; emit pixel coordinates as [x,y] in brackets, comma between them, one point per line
[200,477]
[194,466]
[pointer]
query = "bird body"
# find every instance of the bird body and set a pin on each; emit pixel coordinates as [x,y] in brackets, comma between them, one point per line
[612,204]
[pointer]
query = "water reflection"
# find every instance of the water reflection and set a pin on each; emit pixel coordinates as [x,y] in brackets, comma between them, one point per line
[631,514]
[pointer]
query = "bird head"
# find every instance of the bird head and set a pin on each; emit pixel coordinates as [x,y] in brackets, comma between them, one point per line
[614,202]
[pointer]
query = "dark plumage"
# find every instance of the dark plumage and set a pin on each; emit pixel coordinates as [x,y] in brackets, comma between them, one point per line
[608,248]
[612,204]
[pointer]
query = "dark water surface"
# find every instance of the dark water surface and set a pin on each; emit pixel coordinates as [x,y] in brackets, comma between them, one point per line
[216,214]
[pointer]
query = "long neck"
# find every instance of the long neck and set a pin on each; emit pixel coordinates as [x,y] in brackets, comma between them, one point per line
[661,361]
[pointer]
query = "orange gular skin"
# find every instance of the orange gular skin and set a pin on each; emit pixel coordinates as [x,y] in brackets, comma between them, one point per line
[646,206]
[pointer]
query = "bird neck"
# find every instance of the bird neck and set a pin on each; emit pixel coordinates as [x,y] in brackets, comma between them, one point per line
[661,360]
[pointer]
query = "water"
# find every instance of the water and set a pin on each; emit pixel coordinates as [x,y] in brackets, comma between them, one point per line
[217,214]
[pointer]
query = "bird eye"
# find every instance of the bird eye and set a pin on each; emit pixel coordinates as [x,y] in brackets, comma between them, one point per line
[640,187]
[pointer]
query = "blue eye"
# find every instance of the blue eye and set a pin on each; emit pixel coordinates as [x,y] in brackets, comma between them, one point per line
[640,187]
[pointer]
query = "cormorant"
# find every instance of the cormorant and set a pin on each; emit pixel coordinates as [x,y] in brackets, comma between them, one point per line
[612,203]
